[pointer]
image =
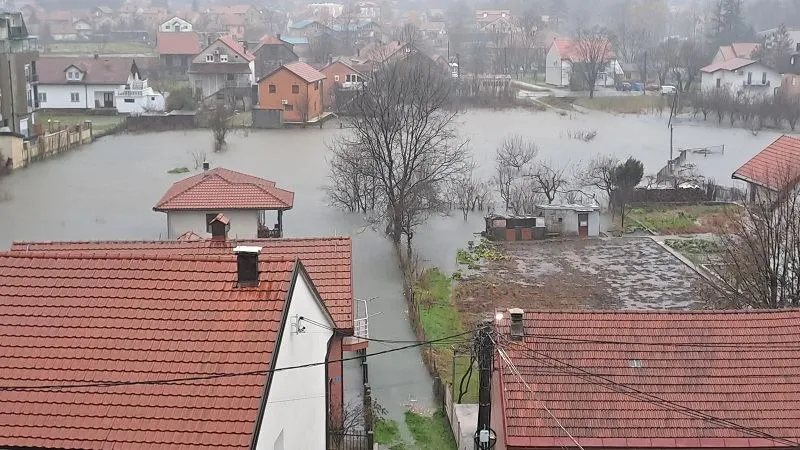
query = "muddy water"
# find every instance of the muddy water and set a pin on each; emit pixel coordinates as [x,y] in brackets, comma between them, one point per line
[106,191]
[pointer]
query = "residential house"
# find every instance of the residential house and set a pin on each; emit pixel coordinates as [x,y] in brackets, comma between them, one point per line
[564,54]
[271,53]
[486,17]
[102,11]
[293,92]
[18,74]
[84,83]
[737,50]
[741,76]
[83,28]
[369,10]
[176,50]
[225,70]
[434,32]
[355,33]
[325,10]
[248,13]
[631,72]
[156,317]
[341,75]
[775,168]
[790,76]
[308,28]
[175,24]
[61,31]
[233,24]
[300,45]
[192,203]
[602,380]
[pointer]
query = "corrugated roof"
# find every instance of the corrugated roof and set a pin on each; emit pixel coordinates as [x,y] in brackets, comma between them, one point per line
[221,188]
[728,64]
[737,365]
[774,167]
[328,260]
[178,43]
[83,319]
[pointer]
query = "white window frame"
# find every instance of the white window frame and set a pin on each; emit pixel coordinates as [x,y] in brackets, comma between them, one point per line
[42,97]
[75,97]
[209,58]
[336,78]
[223,58]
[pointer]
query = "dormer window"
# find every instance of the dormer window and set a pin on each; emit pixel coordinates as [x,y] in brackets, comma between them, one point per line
[223,58]
[209,58]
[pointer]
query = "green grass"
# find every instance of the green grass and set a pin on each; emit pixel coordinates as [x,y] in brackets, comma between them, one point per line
[99,123]
[386,432]
[179,170]
[625,104]
[678,219]
[108,48]
[440,318]
[430,433]
[696,250]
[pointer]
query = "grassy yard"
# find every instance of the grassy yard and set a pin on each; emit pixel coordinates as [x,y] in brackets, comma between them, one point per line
[99,123]
[686,219]
[440,319]
[430,433]
[387,433]
[625,104]
[109,48]
[696,250]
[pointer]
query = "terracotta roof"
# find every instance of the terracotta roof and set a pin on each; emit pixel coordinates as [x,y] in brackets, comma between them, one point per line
[328,260]
[189,236]
[237,47]
[728,64]
[740,366]
[567,49]
[775,166]
[77,318]
[224,189]
[104,70]
[178,43]
[304,71]
[744,49]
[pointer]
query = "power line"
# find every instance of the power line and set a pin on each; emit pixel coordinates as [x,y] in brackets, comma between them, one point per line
[650,398]
[743,345]
[390,341]
[217,375]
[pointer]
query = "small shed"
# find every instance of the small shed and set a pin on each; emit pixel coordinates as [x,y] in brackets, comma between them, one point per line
[571,219]
[515,228]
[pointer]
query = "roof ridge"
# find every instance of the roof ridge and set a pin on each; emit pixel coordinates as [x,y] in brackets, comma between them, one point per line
[663,311]
[137,255]
[173,241]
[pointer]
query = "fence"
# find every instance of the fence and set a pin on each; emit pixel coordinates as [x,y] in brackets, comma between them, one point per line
[350,441]
[51,143]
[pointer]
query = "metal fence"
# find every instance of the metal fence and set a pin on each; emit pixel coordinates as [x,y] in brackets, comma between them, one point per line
[351,441]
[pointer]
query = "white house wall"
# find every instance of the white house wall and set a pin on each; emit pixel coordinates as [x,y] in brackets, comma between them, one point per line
[297,404]
[557,71]
[734,81]
[243,223]
[153,101]
[58,95]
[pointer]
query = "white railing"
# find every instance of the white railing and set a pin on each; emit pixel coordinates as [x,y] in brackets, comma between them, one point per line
[131,93]
[361,323]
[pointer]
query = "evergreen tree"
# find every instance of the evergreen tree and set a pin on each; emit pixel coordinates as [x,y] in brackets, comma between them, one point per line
[727,23]
[775,47]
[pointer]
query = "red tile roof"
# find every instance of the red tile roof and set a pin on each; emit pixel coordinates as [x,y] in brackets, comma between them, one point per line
[567,49]
[75,319]
[728,64]
[224,189]
[743,366]
[237,47]
[775,166]
[328,260]
[269,39]
[189,236]
[178,43]
[304,71]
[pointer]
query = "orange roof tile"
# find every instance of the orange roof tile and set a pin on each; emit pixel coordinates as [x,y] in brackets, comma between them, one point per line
[237,47]
[91,318]
[224,189]
[189,236]
[328,260]
[775,166]
[743,366]
[728,64]
[178,43]
[567,49]
[304,71]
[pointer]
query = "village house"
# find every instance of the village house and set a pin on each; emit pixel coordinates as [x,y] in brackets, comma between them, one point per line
[248,314]
[85,83]
[300,46]
[177,44]
[19,74]
[271,53]
[291,93]
[368,10]
[564,54]
[233,25]
[741,77]
[604,380]
[340,75]
[775,168]
[249,14]
[224,71]
[175,24]
[308,28]
[434,32]
[790,78]
[83,28]
[62,31]
[102,11]
[192,203]
[737,50]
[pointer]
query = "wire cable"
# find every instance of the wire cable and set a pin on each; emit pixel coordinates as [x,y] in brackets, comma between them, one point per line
[386,341]
[212,376]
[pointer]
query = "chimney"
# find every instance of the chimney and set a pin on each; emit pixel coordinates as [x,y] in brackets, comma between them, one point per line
[278,35]
[243,43]
[205,166]
[220,226]
[96,56]
[246,265]
[517,327]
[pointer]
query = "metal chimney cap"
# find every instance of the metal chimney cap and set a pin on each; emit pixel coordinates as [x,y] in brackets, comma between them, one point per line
[516,311]
[247,249]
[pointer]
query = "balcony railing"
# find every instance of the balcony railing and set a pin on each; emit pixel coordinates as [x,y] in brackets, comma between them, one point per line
[19,45]
[361,323]
[237,84]
[130,93]
[756,83]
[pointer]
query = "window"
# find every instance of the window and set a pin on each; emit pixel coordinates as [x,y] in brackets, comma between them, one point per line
[336,78]
[230,77]
[129,100]
[764,78]
[749,77]
[42,97]
[209,218]
[353,78]
[288,107]
[719,82]
[295,89]
[223,58]
[272,89]
[75,97]
[209,58]
[794,81]
[152,99]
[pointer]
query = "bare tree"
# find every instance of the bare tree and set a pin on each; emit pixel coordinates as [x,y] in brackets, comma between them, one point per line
[351,420]
[759,255]
[220,126]
[198,158]
[466,191]
[692,56]
[599,177]
[513,160]
[404,139]
[549,180]
[593,52]
[525,197]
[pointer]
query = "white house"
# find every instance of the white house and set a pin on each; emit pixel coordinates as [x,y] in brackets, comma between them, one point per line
[571,219]
[107,82]
[175,24]
[224,69]
[741,76]
[193,203]
[563,54]
[736,50]
[247,332]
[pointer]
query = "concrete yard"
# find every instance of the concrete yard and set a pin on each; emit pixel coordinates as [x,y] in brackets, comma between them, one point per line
[602,273]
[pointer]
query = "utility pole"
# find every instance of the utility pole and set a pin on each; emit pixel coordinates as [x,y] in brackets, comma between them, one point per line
[484,346]
[644,75]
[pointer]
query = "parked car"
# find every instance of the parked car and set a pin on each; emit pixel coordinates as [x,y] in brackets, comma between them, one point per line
[668,90]
[653,87]
[625,87]
[637,87]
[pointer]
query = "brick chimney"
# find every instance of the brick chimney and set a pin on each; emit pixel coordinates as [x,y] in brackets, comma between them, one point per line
[246,265]
[220,226]
[517,325]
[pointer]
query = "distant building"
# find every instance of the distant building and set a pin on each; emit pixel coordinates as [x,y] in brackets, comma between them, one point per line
[18,74]
[271,53]
[176,50]
[790,78]
[175,24]
[740,50]
[224,72]
[741,76]
[564,55]
[294,91]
